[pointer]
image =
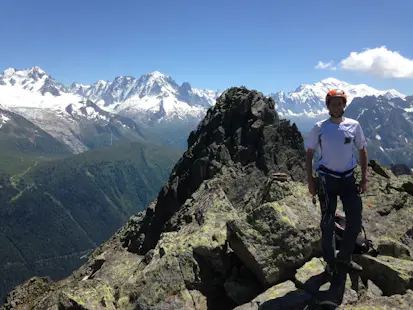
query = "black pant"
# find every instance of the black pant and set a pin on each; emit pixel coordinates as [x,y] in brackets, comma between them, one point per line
[329,187]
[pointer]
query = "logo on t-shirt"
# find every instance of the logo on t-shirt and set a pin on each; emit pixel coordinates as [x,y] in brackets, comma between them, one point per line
[347,140]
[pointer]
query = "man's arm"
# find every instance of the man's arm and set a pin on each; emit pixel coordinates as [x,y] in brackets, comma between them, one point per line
[363,163]
[310,146]
[361,145]
[309,163]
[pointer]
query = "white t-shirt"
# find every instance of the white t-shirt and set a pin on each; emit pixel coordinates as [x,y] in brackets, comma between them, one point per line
[335,142]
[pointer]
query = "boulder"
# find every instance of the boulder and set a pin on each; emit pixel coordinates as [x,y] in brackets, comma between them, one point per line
[387,205]
[391,275]
[401,169]
[407,238]
[397,301]
[390,247]
[311,275]
[89,295]
[164,284]
[277,237]
[199,226]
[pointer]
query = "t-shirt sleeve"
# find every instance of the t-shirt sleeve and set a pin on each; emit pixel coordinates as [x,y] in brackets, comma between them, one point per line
[360,139]
[312,140]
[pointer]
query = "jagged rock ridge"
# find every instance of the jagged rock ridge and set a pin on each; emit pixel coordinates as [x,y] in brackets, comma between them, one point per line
[242,130]
[234,226]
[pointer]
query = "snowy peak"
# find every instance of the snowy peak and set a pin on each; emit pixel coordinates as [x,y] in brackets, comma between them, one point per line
[118,90]
[98,90]
[79,89]
[36,73]
[32,79]
[332,80]
[331,83]
[325,84]
[156,76]
[392,93]
[185,89]
[8,73]
[156,83]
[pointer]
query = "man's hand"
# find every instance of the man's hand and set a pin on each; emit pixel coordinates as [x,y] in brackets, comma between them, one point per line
[363,185]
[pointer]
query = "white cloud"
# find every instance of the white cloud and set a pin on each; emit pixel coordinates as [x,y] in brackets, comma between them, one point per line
[325,65]
[378,62]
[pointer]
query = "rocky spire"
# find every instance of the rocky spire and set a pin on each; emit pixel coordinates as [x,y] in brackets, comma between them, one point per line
[242,130]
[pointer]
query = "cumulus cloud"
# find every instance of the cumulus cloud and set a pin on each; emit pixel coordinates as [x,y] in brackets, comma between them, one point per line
[377,62]
[325,65]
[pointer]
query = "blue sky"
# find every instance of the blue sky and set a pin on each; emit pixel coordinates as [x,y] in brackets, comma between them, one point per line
[264,45]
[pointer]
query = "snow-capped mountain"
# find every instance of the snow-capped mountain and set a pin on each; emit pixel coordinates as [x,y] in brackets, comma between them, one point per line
[155,101]
[310,99]
[153,94]
[33,79]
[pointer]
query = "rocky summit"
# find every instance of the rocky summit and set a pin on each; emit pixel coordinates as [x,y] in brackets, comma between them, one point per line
[235,228]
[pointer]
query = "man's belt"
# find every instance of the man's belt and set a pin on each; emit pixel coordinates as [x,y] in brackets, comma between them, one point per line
[325,170]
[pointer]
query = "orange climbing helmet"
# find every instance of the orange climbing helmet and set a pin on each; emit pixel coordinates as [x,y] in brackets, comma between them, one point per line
[336,93]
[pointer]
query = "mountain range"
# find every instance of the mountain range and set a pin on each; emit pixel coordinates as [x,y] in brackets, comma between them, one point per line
[75,119]
[308,100]
[154,101]
[155,109]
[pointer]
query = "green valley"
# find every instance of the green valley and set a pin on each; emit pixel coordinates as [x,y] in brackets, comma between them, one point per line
[54,212]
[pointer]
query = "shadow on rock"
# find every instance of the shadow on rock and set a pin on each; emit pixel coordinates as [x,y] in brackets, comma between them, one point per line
[313,284]
[327,292]
[336,291]
[291,301]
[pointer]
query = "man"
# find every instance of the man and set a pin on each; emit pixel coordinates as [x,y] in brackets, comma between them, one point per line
[336,137]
